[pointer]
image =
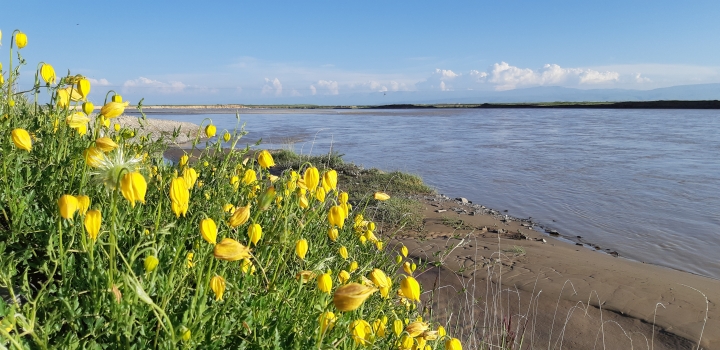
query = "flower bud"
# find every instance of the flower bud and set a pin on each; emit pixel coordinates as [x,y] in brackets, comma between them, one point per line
[20,40]
[210,130]
[21,139]
[151,262]
[47,72]
[68,205]
[301,248]
[208,230]
[93,219]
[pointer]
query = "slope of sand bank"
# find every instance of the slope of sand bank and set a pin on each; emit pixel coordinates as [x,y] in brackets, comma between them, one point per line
[156,128]
[556,294]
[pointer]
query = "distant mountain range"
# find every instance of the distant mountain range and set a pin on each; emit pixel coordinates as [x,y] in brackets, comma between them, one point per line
[534,94]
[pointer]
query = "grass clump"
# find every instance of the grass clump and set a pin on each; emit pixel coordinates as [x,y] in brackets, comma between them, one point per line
[103,244]
[402,210]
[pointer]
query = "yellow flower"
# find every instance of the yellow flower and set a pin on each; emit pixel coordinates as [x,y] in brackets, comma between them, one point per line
[326,321]
[88,107]
[247,266]
[379,326]
[151,262]
[303,202]
[133,187]
[113,109]
[184,160]
[320,194]
[116,126]
[231,250]
[343,276]
[311,177]
[189,259]
[210,130]
[21,139]
[353,266]
[343,252]
[379,245]
[329,180]
[305,276]
[240,216]
[382,281]
[77,120]
[265,159]
[333,234]
[301,248]
[20,40]
[398,327]
[249,177]
[441,331]
[404,251]
[254,233]
[398,259]
[93,218]
[381,196]
[83,203]
[453,344]
[324,283]
[361,332]
[83,87]
[47,72]
[185,334]
[93,156]
[190,176]
[416,328]
[407,343]
[408,268]
[410,288]
[350,296]
[217,284]
[68,205]
[343,197]
[116,98]
[105,144]
[226,136]
[229,208]
[208,230]
[179,196]
[336,216]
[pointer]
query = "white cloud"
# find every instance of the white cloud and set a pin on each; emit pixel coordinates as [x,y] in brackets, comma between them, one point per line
[295,93]
[506,77]
[640,79]
[503,76]
[275,88]
[313,90]
[99,82]
[331,86]
[143,84]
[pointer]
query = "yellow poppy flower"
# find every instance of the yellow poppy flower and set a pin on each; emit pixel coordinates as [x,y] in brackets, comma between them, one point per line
[325,283]
[350,296]
[265,159]
[93,219]
[301,248]
[68,205]
[208,230]
[21,139]
[133,187]
[231,250]
[217,284]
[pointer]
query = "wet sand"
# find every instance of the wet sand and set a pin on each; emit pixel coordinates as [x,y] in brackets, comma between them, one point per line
[558,294]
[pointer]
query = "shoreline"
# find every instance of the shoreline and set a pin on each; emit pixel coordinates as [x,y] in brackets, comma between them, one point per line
[242,108]
[491,251]
[534,264]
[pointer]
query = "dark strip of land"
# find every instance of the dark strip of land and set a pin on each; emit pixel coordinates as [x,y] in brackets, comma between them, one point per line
[712,104]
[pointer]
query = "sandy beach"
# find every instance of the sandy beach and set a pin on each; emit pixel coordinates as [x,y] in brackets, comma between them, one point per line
[480,267]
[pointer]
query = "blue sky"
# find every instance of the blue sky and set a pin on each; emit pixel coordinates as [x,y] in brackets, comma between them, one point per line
[292,52]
